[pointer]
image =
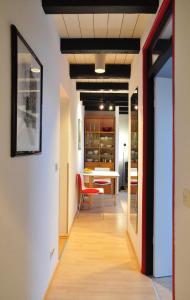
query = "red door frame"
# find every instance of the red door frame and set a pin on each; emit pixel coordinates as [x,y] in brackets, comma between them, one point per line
[156,24]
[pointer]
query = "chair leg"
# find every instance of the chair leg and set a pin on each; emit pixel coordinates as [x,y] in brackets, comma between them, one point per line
[90,201]
[114,195]
[114,200]
[80,200]
[83,198]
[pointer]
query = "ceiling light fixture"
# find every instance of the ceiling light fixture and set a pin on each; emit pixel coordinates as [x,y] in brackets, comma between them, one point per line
[100,63]
[101,106]
[110,107]
[35,70]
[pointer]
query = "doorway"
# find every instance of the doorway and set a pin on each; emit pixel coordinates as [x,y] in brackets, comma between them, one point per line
[163,168]
[162,249]
[157,57]
[64,171]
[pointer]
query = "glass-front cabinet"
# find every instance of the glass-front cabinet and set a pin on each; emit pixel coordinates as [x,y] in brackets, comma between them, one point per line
[99,142]
[134,162]
[99,149]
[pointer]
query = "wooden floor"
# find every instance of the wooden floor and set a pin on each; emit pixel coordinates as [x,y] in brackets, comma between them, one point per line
[62,242]
[98,262]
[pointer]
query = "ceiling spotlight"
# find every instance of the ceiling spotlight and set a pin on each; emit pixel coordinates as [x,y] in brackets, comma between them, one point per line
[101,106]
[136,107]
[100,63]
[110,107]
[35,70]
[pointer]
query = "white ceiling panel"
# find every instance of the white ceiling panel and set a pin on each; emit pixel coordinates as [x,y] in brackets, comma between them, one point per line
[110,58]
[141,25]
[71,58]
[89,58]
[129,58]
[100,25]
[60,25]
[80,58]
[129,23]
[120,58]
[72,25]
[114,25]
[102,80]
[86,25]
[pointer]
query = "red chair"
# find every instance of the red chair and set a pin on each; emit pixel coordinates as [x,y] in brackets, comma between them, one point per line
[84,191]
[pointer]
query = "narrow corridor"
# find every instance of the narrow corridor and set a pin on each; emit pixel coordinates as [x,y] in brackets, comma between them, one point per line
[98,262]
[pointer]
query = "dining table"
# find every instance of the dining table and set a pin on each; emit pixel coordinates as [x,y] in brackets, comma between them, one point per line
[103,175]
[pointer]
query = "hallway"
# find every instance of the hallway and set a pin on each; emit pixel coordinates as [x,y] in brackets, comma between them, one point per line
[98,261]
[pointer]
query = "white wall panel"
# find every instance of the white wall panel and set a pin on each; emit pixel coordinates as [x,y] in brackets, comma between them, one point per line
[162,260]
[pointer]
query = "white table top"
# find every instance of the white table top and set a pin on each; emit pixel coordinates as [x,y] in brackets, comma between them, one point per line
[101,173]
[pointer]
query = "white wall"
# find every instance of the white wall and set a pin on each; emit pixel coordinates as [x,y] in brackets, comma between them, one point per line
[123,138]
[29,186]
[63,166]
[182,148]
[162,259]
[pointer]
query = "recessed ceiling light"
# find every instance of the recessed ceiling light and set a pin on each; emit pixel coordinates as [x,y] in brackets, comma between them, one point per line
[35,70]
[101,106]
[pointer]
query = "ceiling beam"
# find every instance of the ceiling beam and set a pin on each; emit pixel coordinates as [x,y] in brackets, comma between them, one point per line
[100,6]
[100,45]
[123,109]
[98,86]
[88,72]
[104,97]
[115,103]
[96,108]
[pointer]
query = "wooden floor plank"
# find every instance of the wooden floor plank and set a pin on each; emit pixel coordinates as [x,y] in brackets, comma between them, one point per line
[98,262]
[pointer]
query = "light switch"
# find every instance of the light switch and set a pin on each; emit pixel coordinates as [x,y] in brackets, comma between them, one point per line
[186,197]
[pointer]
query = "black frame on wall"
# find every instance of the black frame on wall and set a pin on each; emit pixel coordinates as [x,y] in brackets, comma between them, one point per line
[29,114]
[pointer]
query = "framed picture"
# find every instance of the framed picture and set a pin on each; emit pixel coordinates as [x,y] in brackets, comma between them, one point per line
[79,134]
[26,108]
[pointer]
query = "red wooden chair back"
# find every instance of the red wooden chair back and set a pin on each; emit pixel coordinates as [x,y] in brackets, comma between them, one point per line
[79,181]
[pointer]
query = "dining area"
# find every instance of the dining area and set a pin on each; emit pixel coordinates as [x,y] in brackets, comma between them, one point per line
[94,183]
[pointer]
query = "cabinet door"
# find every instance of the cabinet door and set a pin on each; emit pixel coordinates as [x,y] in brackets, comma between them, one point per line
[92,165]
[107,165]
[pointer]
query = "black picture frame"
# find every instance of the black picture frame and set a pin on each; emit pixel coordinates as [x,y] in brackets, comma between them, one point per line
[26,97]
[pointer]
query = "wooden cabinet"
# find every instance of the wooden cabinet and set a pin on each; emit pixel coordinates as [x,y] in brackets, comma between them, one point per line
[99,149]
[93,165]
[100,141]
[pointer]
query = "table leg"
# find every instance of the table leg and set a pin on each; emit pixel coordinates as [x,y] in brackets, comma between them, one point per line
[115,192]
[90,186]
